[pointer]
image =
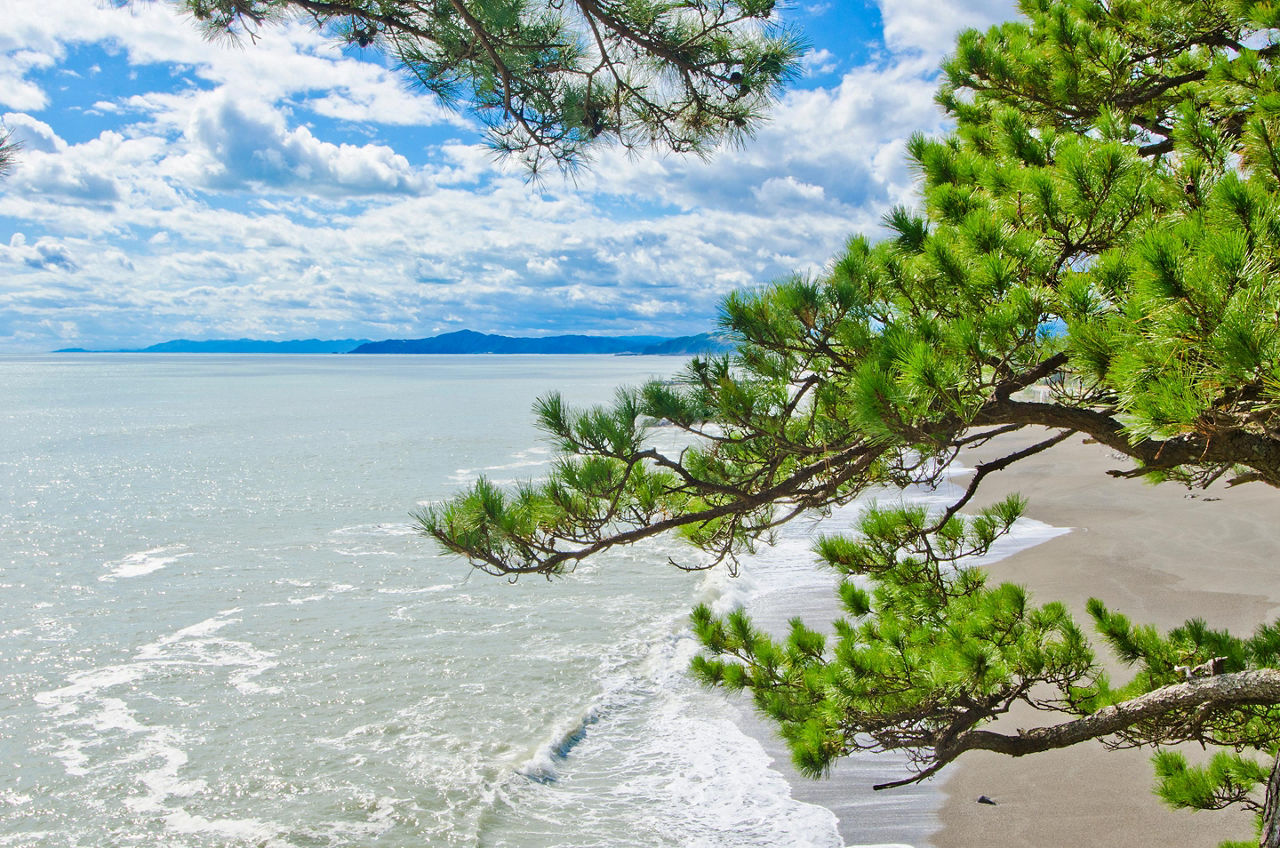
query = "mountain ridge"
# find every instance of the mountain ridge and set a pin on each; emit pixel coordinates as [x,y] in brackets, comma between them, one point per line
[460,342]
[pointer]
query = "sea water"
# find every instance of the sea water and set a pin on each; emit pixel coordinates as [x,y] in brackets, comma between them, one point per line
[219,628]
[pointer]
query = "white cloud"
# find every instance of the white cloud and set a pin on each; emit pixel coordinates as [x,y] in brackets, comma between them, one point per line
[830,161]
[33,134]
[782,191]
[373,94]
[819,62]
[544,266]
[45,255]
[16,91]
[211,207]
[49,166]
[235,143]
[930,27]
[286,61]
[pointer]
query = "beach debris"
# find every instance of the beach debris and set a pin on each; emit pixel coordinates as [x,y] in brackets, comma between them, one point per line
[1209,668]
[983,799]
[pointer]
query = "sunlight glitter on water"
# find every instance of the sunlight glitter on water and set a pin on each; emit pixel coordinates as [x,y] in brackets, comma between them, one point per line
[221,628]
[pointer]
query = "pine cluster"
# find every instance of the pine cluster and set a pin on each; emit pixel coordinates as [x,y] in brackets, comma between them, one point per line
[550,77]
[1102,225]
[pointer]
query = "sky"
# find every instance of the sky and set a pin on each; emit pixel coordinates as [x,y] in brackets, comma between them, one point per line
[172,187]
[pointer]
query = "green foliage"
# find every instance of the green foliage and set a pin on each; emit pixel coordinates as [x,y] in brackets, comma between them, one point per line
[923,645]
[549,78]
[1102,228]
[1227,779]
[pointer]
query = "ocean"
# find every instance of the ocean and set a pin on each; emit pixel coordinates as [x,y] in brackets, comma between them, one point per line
[218,627]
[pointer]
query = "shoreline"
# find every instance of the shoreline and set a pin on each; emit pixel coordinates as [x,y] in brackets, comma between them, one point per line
[1159,554]
[865,818]
[797,586]
[904,817]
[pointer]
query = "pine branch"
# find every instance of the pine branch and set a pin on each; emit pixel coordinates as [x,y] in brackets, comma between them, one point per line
[1257,686]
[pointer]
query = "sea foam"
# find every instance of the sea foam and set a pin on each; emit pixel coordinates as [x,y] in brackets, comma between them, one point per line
[144,562]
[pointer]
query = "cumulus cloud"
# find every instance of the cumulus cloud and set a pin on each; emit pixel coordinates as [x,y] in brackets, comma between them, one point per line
[285,62]
[16,91]
[46,254]
[236,143]
[370,93]
[830,163]
[930,27]
[47,165]
[51,175]
[226,202]
[32,133]
[783,191]
[819,62]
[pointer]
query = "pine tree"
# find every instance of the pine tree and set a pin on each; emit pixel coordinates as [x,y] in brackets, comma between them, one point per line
[1104,221]
[9,148]
[550,77]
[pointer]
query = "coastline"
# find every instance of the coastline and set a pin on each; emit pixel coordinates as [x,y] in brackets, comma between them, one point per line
[783,581]
[1159,554]
[865,818]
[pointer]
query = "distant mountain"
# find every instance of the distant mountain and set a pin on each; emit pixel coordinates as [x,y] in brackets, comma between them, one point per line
[461,342]
[469,341]
[237,346]
[701,344]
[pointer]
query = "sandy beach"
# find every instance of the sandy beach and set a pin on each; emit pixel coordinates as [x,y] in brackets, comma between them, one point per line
[1159,554]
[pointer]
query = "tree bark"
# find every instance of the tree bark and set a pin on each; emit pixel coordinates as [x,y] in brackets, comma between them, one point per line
[1256,451]
[1271,810]
[1256,686]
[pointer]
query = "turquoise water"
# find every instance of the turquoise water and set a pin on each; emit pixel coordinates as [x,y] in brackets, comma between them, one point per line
[217,627]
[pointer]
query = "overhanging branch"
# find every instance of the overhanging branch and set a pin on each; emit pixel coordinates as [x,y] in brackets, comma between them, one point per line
[1230,447]
[1257,686]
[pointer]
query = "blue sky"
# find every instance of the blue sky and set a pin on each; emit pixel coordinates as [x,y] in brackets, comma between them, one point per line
[171,187]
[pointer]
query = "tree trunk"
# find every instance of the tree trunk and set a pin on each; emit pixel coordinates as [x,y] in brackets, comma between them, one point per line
[1271,809]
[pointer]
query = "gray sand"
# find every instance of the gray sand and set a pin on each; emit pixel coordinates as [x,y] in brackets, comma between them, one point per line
[1156,553]
[1159,556]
